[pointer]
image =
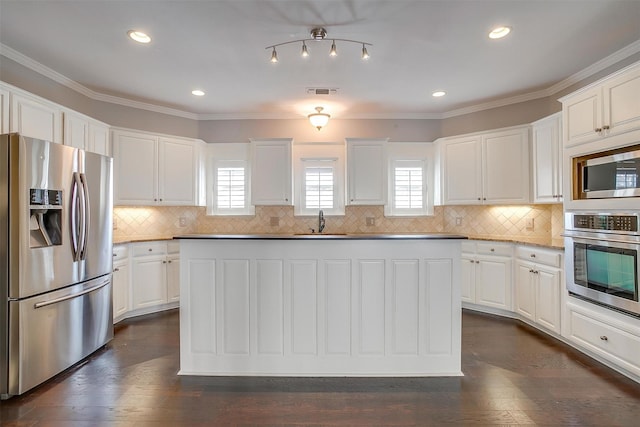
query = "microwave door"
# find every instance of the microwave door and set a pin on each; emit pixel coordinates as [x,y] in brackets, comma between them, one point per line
[611,176]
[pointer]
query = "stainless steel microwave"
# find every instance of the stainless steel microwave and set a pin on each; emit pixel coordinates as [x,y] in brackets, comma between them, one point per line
[609,174]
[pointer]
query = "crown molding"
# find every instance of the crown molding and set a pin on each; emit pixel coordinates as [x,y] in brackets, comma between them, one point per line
[602,64]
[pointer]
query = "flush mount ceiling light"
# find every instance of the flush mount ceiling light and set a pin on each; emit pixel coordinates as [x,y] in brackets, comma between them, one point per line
[438,93]
[138,36]
[319,119]
[499,32]
[197,92]
[318,34]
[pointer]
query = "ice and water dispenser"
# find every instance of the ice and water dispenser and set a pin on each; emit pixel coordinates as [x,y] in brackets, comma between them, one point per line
[45,223]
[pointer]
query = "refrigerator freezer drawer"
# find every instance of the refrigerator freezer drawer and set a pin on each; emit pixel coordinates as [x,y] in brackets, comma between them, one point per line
[53,331]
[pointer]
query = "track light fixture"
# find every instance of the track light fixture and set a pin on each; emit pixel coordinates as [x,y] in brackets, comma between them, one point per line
[318,34]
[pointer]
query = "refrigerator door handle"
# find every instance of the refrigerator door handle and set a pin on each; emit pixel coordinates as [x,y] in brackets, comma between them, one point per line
[68,297]
[75,220]
[86,218]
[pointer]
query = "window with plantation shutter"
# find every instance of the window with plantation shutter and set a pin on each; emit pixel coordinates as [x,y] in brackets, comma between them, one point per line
[318,188]
[230,193]
[408,189]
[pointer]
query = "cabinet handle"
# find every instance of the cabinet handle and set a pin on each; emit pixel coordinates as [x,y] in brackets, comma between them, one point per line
[604,338]
[484,198]
[598,130]
[493,250]
[536,272]
[479,198]
[477,262]
[532,255]
[115,255]
[169,261]
[605,127]
[160,199]
[150,250]
[155,200]
[164,262]
[115,270]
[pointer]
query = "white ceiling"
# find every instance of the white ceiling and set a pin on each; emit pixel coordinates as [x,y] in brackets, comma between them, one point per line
[219,47]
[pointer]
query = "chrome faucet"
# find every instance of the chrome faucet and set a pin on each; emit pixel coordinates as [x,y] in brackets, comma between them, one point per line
[320,221]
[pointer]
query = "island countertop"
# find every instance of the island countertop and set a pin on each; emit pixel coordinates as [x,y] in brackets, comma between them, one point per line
[324,236]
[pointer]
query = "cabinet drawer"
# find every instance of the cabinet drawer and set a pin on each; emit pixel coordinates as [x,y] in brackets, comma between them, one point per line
[540,256]
[173,247]
[149,248]
[493,248]
[601,337]
[120,252]
[469,247]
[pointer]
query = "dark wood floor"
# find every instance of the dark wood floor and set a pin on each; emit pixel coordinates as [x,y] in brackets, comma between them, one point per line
[513,376]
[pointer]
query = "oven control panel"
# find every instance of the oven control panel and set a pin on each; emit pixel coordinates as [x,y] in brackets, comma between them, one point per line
[626,223]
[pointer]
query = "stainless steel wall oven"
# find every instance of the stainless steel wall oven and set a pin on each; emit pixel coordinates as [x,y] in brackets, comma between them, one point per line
[604,250]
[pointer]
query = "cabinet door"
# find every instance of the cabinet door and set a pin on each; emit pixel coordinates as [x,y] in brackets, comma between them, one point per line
[366,172]
[149,281]
[177,172]
[76,130]
[4,110]
[271,172]
[99,138]
[506,167]
[35,118]
[548,298]
[135,169]
[525,293]
[547,160]
[462,178]
[173,278]
[467,279]
[120,289]
[493,283]
[621,97]
[582,117]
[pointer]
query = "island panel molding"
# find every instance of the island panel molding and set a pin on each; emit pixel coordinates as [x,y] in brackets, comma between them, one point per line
[261,306]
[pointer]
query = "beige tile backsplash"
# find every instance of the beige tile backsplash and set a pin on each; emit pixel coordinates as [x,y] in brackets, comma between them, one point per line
[141,223]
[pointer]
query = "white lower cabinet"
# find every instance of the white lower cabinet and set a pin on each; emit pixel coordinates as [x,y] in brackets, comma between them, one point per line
[121,282]
[486,274]
[155,277]
[605,334]
[538,286]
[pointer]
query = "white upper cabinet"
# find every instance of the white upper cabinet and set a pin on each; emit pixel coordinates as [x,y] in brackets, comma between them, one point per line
[76,130]
[366,171]
[35,117]
[605,108]
[4,110]
[487,168]
[177,172]
[547,159]
[154,170]
[99,138]
[271,171]
[83,132]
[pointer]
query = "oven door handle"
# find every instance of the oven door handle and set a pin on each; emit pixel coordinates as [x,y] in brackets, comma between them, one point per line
[599,239]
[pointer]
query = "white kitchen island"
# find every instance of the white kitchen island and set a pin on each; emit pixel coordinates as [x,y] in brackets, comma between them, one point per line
[320,305]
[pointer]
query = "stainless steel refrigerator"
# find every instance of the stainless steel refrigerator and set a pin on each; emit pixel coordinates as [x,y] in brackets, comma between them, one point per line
[55,259]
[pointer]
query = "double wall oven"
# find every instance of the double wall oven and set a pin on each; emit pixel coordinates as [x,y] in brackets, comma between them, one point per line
[602,251]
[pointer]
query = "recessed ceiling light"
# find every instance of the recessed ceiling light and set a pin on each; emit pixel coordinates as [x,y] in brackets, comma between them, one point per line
[499,32]
[138,36]
[438,93]
[197,92]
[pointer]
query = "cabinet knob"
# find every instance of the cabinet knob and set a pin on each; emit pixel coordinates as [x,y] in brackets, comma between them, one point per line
[477,262]
[115,255]
[150,250]
[479,198]
[605,127]
[604,338]
[160,199]
[484,198]
[598,130]
[493,250]
[169,261]
[532,255]
[530,271]
[155,200]
[115,270]
[164,262]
